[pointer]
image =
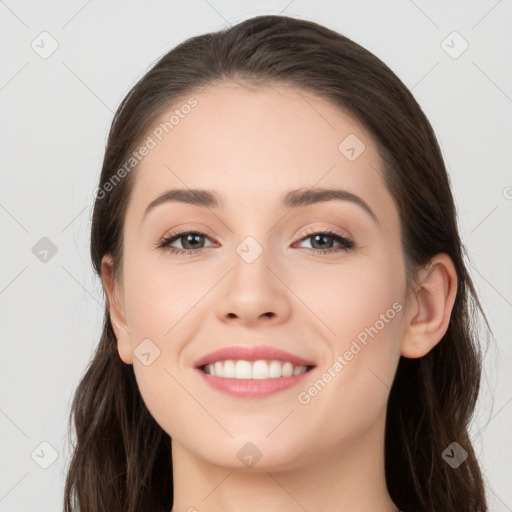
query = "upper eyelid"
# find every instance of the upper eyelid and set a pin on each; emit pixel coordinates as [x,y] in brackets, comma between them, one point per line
[186,231]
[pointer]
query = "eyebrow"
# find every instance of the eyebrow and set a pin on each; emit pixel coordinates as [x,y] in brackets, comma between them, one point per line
[292,199]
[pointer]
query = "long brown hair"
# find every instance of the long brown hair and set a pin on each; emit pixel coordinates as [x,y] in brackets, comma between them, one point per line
[122,458]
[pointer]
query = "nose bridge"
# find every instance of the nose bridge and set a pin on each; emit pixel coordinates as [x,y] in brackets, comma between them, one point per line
[252,262]
[257,251]
[251,248]
[252,231]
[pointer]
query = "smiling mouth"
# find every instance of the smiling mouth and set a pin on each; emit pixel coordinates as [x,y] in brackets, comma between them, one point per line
[254,370]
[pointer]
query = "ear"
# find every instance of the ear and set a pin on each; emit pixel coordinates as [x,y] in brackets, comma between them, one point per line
[429,307]
[116,310]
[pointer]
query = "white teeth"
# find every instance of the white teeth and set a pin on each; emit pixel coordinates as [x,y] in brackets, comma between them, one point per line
[260,369]
[242,370]
[274,369]
[287,370]
[229,369]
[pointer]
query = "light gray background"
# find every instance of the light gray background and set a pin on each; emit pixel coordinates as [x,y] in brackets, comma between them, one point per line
[55,116]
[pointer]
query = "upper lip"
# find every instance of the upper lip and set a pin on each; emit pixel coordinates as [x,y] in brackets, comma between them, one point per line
[239,352]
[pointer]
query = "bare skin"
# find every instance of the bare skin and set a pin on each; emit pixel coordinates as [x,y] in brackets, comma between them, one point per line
[251,146]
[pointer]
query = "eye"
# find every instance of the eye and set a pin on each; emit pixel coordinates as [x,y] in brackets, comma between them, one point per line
[190,241]
[319,239]
[186,238]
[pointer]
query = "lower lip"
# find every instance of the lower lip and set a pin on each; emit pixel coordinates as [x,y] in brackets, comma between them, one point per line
[252,388]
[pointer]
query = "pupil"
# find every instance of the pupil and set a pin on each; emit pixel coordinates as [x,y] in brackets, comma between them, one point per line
[321,237]
[187,237]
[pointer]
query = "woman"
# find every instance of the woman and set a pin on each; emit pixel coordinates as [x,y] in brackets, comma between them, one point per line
[289,319]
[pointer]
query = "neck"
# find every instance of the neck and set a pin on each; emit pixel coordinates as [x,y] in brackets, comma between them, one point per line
[350,479]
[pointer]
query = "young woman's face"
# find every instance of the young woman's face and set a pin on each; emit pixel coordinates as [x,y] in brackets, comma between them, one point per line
[265,269]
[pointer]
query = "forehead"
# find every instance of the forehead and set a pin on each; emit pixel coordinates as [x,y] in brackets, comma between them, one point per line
[252,144]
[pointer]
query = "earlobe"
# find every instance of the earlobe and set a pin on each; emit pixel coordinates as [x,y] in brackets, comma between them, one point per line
[116,310]
[430,307]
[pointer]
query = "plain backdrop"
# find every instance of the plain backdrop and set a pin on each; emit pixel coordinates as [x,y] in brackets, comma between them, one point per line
[56,110]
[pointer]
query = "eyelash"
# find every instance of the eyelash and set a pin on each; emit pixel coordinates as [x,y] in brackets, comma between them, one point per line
[347,244]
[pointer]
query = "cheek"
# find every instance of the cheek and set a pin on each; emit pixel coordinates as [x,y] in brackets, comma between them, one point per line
[346,298]
[160,299]
[362,305]
[159,294]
